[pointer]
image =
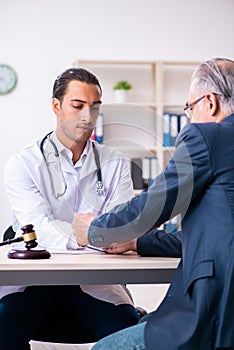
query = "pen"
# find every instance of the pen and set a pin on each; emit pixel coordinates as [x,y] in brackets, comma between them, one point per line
[94,248]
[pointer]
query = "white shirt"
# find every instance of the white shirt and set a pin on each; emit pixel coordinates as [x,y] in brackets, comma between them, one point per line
[33,184]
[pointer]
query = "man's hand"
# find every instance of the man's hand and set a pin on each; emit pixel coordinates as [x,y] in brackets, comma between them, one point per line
[121,247]
[80,226]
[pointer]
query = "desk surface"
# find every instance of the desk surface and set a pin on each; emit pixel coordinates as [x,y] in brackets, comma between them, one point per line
[94,268]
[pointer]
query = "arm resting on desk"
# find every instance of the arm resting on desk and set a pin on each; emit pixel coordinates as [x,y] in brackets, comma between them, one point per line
[159,243]
[156,243]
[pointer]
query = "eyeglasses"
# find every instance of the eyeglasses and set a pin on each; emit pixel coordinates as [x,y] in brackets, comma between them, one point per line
[188,108]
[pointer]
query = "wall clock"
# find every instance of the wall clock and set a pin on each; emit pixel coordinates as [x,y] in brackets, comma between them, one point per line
[8,79]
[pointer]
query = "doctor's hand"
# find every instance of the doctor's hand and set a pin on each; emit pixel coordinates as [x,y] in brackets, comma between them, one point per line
[80,226]
[121,247]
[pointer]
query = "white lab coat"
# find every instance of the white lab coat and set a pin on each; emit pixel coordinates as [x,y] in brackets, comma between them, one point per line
[32,187]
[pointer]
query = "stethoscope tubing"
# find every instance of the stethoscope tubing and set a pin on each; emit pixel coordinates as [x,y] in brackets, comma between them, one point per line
[99,188]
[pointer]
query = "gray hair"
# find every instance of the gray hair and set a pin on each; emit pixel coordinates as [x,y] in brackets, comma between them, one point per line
[217,76]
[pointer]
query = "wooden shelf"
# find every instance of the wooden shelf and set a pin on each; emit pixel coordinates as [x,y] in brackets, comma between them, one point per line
[136,127]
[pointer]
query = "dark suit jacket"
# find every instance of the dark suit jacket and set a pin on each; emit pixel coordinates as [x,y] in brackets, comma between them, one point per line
[197,312]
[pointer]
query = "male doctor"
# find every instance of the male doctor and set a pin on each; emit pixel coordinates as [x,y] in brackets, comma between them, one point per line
[47,183]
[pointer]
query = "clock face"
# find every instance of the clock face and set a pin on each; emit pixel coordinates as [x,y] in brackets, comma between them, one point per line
[8,79]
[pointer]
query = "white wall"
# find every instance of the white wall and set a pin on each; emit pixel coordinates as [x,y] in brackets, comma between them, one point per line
[40,38]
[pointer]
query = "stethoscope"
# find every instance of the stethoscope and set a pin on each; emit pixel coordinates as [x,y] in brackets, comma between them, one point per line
[99,186]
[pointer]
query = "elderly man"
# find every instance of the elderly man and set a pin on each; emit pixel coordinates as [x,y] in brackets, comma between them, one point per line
[198,183]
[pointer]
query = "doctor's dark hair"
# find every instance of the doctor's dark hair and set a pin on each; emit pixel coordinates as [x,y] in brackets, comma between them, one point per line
[62,81]
[216,75]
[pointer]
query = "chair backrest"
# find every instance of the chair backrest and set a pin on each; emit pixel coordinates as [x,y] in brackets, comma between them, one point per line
[9,233]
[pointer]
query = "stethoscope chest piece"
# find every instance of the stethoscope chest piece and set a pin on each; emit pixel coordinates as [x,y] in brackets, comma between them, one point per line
[100,188]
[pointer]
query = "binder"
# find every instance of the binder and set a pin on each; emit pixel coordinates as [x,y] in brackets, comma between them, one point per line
[166,130]
[136,173]
[93,135]
[152,161]
[183,121]
[99,128]
[145,171]
[171,226]
[174,128]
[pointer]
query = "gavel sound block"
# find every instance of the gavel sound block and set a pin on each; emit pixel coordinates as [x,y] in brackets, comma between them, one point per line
[29,237]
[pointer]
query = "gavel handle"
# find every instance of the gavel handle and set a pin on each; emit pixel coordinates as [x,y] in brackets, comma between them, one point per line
[13,240]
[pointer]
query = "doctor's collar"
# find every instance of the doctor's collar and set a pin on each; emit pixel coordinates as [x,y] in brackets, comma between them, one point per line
[58,144]
[64,150]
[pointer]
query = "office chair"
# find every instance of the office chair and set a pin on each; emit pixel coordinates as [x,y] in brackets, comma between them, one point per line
[63,332]
[9,233]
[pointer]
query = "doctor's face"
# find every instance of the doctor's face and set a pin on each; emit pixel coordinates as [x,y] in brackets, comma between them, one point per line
[77,113]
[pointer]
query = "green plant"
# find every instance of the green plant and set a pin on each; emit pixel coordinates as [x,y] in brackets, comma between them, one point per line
[122,85]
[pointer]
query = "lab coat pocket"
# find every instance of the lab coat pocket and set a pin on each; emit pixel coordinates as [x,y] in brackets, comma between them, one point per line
[203,269]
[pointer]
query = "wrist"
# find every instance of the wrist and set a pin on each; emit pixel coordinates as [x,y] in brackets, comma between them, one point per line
[134,245]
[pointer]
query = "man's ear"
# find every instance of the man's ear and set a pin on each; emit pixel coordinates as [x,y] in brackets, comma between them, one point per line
[56,105]
[213,104]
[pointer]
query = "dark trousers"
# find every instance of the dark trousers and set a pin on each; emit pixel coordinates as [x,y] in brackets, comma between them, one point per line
[23,313]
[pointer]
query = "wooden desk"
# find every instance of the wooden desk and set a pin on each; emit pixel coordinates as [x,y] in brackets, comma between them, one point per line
[92,268]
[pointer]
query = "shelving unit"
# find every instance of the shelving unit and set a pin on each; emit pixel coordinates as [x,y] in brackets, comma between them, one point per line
[136,128]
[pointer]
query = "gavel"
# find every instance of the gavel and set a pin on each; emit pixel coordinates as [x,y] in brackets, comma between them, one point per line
[29,238]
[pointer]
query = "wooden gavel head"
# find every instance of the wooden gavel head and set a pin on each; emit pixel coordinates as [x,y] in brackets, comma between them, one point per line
[29,236]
